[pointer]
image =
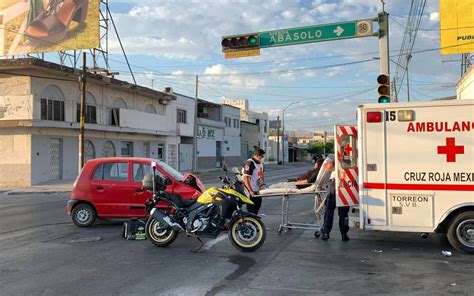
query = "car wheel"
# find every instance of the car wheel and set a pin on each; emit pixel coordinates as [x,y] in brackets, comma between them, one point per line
[461,232]
[83,215]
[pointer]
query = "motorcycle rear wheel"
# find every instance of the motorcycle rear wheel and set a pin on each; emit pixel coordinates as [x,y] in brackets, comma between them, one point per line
[247,234]
[159,236]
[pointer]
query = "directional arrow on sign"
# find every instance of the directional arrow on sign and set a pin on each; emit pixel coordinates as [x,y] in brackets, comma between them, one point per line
[338,31]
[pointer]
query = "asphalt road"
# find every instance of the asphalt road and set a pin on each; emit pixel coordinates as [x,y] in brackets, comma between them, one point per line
[43,253]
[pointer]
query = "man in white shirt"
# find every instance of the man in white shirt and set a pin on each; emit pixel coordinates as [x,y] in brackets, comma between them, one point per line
[253,173]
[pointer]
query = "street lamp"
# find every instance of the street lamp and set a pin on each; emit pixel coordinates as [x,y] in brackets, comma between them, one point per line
[283,132]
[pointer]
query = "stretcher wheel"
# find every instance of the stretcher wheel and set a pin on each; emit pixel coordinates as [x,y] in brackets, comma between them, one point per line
[317,233]
[280,229]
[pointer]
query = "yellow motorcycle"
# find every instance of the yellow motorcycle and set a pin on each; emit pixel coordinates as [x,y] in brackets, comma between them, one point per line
[214,211]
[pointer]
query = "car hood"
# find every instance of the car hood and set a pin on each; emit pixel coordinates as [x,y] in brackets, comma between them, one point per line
[198,181]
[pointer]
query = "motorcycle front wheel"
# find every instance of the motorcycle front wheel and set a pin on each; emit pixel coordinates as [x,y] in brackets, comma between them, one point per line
[158,235]
[247,234]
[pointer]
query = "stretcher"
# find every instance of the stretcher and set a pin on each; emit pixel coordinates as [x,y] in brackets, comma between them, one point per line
[319,190]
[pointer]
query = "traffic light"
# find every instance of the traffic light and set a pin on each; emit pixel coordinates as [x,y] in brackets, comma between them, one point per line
[382,19]
[240,42]
[384,88]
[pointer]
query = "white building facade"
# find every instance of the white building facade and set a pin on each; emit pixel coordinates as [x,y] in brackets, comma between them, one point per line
[260,118]
[39,128]
[232,138]
[185,114]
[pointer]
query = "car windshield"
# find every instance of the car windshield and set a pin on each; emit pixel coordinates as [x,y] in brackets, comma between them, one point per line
[174,173]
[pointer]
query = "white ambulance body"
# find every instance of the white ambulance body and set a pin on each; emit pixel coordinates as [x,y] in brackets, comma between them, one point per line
[410,167]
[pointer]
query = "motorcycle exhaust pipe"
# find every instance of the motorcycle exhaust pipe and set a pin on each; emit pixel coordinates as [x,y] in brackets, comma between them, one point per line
[165,220]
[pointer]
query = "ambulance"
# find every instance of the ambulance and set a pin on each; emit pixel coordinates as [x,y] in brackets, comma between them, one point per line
[410,167]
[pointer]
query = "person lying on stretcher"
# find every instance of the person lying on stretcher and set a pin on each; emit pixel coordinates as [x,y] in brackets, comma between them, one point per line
[304,180]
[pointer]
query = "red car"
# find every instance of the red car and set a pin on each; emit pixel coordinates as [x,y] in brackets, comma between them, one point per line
[111,188]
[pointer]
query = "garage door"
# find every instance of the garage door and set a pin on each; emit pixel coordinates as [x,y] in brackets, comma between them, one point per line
[55,159]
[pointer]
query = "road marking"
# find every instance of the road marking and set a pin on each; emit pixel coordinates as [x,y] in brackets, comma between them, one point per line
[211,243]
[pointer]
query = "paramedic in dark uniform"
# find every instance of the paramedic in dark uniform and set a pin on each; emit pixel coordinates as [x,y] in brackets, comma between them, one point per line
[254,179]
[331,206]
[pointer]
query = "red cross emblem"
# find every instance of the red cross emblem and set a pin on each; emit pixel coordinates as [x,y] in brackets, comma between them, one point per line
[451,150]
[347,149]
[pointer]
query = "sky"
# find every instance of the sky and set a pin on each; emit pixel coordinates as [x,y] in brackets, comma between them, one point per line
[168,42]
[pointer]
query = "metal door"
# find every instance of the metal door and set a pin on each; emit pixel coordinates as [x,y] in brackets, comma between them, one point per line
[185,157]
[55,159]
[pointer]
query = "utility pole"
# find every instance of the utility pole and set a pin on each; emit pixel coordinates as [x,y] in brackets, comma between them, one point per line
[82,112]
[278,139]
[195,131]
[408,77]
[394,89]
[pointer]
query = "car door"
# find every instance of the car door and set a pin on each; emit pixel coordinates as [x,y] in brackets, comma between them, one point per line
[111,188]
[139,196]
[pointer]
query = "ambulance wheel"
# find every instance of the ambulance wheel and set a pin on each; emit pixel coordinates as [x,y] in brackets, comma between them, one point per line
[461,232]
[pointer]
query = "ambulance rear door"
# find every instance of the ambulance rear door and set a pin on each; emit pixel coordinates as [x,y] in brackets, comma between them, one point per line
[347,171]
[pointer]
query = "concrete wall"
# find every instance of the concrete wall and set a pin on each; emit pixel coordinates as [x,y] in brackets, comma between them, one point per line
[143,120]
[15,158]
[187,104]
[104,97]
[16,101]
[465,86]
[231,146]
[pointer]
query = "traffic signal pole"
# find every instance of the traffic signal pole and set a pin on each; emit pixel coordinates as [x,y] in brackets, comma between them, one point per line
[384,44]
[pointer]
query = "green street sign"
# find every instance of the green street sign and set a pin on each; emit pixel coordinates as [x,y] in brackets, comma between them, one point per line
[337,31]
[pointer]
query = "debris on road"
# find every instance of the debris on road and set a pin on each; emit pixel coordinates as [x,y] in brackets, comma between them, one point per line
[446,253]
[378,251]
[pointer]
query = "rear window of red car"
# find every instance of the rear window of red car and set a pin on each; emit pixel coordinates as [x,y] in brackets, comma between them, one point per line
[111,171]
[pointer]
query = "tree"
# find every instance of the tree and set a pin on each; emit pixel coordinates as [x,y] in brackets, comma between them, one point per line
[318,147]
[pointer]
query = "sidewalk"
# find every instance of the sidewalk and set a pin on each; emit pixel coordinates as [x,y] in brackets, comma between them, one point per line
[61,186]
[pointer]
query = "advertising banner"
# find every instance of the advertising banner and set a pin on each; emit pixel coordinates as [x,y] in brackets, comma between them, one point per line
[456,26]
[34,26]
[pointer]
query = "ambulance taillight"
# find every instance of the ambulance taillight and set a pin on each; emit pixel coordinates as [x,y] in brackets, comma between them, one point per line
[374,116]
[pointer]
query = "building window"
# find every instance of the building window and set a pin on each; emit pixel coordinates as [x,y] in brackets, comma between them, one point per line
[161,151]
[89,150]
[115,115]
[236,123]
[181,116]
[52,109]
[146,149]
[108,150]
[127,148]
[228,121]
[265,126]
[91,113]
